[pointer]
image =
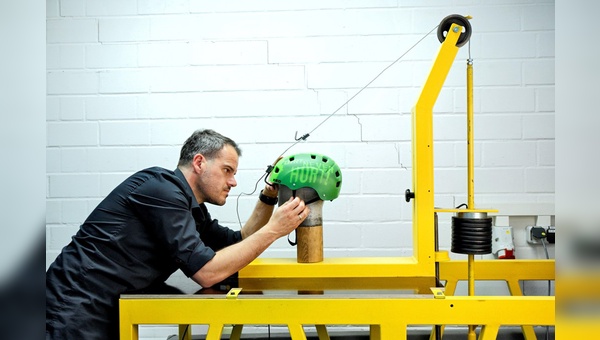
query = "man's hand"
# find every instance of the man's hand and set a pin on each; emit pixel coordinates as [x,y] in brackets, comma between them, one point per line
[288,217]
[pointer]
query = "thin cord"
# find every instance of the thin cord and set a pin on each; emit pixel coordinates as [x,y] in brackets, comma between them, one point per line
[373,80]
[237,202]
[305,136]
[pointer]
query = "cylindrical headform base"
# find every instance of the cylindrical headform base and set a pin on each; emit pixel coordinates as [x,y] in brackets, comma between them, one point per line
[471,233]
[309,235]
[310,244]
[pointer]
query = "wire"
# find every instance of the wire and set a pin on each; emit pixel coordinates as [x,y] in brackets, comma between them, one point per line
[306,135]
[184,332]
[237,202]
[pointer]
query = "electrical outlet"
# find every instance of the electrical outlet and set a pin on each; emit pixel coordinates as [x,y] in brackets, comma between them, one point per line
[529,234]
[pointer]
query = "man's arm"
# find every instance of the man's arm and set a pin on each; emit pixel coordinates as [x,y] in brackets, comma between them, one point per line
[261,213]
[231,259]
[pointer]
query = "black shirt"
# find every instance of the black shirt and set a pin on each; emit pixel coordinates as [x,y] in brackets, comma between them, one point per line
[144,230]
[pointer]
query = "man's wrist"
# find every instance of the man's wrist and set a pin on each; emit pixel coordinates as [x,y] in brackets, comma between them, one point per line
[268,200]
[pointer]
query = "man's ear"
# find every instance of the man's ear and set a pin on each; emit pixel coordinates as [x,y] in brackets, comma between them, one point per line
[198,162]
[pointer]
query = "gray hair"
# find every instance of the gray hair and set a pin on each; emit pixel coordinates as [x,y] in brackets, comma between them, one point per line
[206,142]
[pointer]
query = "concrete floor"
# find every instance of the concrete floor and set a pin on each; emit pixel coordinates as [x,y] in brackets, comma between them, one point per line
[457,333]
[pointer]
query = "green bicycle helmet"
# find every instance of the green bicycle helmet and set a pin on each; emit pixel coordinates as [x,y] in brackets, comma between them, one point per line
[311,170]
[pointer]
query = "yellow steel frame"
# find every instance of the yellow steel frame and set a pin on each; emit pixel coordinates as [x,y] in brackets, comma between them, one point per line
[387,316]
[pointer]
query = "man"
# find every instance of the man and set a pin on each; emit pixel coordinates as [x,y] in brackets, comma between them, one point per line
[152,224]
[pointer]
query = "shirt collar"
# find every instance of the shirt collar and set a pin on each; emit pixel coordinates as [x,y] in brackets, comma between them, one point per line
[188,189]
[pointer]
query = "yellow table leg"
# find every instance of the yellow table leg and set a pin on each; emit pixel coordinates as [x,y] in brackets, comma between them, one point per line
[515,290]
[185,332]
[375,332]
[489,332]
[236,333]
[322,332]
[296,332]
[214,332]
[393,331]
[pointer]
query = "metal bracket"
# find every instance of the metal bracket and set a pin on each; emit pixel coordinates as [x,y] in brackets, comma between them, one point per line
[233,293]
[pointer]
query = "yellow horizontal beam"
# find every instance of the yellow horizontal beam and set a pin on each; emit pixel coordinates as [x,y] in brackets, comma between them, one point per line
[395,267]
[347,267]
[499,270]
[341,310]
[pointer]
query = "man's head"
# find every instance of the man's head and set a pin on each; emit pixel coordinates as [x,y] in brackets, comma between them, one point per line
[209,162]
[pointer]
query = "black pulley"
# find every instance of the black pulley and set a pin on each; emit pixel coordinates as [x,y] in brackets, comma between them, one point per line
[471,234]
[447,22]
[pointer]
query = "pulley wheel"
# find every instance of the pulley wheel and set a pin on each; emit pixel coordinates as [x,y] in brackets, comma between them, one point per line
[447,22]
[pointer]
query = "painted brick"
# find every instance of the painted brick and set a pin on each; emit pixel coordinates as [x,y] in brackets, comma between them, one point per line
[505,180]
[386,182]
[172,27]
[72,108]
[230,78]
[52,108]
[375,101]
[367,155]
[538,72]
[110,107]
[52,9]
[71,31]
[500,100]
[538,126]
[74,211]
[74,160]
[540,17]
[545,99]
[546,153]
[163,7]
[230,53]
[175,132]
[124,133]
[539,180]
[357,75]
[387,235]
[163,54]
[508,45]
[76,82]
[65,57]
[243,6]
[338,49]
[74,185]
[72,8]
[517,153]
[494,127]
[110,56]
[449,127]
[60,236]
[545,44]
[496,73]
[124,81]
[112,159]
[385,128]
[125,29]
[72,134]
[53,162]
[111,7]
[53,212]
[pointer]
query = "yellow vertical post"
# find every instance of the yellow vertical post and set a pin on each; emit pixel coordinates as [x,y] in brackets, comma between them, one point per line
[422,153]
[470,178]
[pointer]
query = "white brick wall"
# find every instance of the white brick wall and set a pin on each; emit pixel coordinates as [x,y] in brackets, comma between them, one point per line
[128,81]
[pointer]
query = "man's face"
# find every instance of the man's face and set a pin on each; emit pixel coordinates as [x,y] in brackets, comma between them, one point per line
[218,176]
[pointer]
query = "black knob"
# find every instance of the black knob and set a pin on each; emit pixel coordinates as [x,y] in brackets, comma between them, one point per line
[408,195]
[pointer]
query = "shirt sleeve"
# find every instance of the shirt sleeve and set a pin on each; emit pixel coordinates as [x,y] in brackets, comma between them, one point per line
[165,210]
[215,235]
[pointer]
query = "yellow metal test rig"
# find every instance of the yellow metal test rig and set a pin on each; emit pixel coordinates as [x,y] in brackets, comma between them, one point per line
[365,287]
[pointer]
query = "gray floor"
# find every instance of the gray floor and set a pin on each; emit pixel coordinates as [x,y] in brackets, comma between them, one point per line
[505,333]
